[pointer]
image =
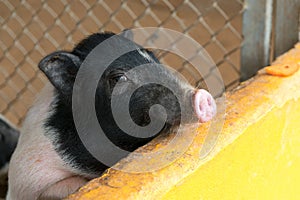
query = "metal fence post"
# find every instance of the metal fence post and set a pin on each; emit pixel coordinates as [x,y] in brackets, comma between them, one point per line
[286,24]
[270,28]
[257,28]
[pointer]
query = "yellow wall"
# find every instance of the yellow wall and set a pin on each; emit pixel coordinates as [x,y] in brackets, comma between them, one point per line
[257,155]
[263,163]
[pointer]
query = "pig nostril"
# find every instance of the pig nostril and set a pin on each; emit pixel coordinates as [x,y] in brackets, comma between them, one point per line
[200,107]
[204,105]
[209,101]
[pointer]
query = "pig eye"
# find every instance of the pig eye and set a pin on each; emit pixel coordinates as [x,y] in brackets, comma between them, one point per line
[118,78]
[123,81]
[122,78]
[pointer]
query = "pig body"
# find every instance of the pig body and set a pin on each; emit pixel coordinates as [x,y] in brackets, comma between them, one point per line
[50,161]
[35,166]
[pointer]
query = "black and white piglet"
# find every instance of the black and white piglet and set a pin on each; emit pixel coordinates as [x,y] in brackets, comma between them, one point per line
[50,160]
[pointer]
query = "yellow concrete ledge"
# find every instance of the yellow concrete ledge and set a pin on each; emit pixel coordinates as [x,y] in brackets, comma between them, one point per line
[257,155]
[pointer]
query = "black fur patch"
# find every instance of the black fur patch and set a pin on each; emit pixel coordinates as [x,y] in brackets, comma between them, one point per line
[8,141]
[68,143]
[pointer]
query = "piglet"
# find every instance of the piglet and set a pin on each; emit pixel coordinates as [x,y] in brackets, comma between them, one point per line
[51,161]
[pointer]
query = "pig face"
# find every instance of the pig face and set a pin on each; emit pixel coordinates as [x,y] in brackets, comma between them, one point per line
[143,98]
[61,69]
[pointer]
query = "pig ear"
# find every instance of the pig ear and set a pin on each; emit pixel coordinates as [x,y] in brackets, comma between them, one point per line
[127,33]
[61,68]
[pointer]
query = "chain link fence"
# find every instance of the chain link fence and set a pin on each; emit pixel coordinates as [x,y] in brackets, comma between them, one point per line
[31,29]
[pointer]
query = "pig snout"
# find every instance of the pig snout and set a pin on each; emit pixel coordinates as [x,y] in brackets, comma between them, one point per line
[204,105]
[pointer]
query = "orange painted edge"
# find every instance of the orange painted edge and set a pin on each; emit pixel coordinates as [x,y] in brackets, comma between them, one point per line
[283,70]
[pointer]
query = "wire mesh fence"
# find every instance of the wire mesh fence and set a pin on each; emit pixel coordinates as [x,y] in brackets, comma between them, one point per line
[31,29]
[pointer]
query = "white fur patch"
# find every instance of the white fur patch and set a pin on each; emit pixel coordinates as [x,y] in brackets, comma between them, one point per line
[35,166]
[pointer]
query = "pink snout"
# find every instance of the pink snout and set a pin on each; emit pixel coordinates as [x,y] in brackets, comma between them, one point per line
[204,105]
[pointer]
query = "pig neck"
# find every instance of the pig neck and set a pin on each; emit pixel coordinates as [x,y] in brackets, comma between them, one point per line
[67,142]
[61,130]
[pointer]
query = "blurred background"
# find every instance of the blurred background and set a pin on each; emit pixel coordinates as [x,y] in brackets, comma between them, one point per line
[31,29]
